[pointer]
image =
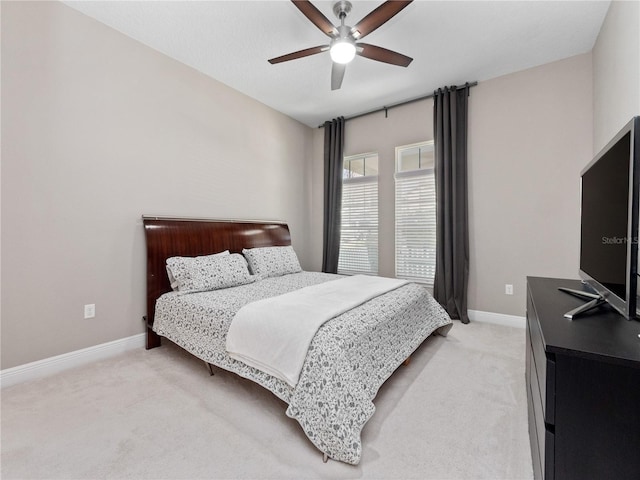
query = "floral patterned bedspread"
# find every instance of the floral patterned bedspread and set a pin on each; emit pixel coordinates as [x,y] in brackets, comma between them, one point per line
[348,360]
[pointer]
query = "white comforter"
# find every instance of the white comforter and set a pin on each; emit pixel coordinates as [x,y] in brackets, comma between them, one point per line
[274,334]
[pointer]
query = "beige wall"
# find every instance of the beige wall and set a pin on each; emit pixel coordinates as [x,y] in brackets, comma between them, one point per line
[530,134]
[98,129]
[616,71]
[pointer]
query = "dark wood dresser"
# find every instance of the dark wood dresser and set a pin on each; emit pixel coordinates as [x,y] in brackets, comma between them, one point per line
[583,387]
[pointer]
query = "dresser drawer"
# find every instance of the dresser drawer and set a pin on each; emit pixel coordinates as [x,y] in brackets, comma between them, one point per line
[533,437]
[538,416]
[543,365]
[541,436]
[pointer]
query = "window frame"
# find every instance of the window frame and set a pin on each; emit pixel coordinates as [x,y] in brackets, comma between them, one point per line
[405,174]
[355,180]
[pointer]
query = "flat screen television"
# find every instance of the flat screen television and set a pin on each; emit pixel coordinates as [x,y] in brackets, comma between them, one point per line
[609,222]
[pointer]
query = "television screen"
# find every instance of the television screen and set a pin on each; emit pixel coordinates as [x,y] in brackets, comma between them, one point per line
[605,217]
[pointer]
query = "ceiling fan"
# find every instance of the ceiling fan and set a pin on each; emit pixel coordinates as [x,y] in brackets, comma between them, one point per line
[343,46]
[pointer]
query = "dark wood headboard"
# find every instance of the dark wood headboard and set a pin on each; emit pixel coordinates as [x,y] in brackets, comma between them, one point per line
[189,237]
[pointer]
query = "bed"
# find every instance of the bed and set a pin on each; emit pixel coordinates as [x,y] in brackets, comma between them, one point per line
[349,357]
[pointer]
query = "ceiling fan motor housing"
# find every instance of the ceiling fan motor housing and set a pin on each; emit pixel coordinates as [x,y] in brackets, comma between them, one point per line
[344,31]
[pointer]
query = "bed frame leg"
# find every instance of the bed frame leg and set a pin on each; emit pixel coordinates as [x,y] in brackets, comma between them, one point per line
[325,457]
[153,339]
[407,361]
[210,368]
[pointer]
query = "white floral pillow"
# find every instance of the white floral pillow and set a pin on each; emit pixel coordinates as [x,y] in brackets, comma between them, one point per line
[187,261]
[272,261]
[212,272]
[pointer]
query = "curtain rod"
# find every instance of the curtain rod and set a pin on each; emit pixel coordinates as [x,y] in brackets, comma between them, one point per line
[384,109]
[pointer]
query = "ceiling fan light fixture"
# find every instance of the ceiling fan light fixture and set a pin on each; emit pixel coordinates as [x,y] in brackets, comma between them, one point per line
[342,51]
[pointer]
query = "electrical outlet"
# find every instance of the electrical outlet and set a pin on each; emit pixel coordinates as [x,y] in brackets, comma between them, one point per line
[508,289]
[90,310]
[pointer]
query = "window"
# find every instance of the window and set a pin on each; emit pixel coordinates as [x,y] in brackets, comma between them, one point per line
[359,230]
[415,213]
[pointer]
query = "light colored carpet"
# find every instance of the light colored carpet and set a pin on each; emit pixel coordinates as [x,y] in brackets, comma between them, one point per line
[458,411]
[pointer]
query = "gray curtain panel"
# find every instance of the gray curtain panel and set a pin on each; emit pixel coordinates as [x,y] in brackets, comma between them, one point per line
[333,155]
[452,230]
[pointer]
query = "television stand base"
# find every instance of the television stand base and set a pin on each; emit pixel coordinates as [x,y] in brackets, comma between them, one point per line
[596,301]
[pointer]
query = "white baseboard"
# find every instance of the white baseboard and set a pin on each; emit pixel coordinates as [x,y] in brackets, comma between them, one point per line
[497,318]
[49,366]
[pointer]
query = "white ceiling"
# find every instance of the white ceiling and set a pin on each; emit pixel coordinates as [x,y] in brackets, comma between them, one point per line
[451,42]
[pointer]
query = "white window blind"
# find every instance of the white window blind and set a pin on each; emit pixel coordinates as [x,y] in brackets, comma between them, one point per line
[359,230]
[416,224]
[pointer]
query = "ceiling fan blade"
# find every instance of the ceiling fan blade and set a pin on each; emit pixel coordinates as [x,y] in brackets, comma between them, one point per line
[378,17]
[382,55]
[299,54]
[337,74]
[316,17]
